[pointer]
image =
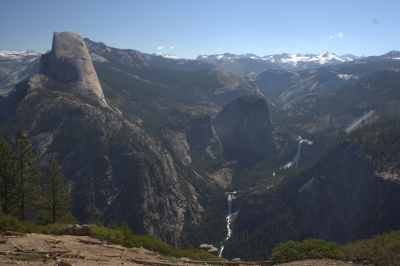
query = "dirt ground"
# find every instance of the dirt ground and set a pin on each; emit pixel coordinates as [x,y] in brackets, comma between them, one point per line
[65,250]
[319,263]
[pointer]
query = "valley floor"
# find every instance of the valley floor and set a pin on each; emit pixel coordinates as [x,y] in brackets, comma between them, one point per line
[65,250]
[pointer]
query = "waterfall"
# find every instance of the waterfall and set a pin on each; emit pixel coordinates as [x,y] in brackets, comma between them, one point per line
[296,159]
[228,218]
[360,121]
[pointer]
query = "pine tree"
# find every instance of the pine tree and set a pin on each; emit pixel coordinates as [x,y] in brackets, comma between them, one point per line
[56,193]
[27,178]
[7,177]
[85,195]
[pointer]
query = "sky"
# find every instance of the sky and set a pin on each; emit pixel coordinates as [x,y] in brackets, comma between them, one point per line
[187,28]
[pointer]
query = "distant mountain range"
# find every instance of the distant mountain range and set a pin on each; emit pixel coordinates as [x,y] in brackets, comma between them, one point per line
[254,64]
[158,143]
[240,64]
[23,54]
[15,66]
[284,58]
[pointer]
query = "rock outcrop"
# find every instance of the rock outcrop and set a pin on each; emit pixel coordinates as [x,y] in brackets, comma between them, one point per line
[118,173]
[192,139]
[245,130]
[70,63]
[67,250]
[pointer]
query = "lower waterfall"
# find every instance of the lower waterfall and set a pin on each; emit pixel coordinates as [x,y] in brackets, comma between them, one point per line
[230,198]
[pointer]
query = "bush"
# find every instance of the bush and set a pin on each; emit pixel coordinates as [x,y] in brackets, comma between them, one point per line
[123,236]
[10,223]
[298,250]
[381,250]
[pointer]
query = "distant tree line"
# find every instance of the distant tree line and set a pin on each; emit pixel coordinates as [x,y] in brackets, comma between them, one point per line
[28,191]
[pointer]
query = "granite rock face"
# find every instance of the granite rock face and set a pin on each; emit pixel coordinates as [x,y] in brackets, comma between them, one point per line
[339,199]
[191,137]
[245,130]
[118,173]
[70,63]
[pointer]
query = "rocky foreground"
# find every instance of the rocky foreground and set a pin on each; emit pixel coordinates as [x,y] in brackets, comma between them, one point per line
[68,250]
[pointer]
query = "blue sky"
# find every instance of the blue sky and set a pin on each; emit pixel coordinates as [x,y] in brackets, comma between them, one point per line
[187,28]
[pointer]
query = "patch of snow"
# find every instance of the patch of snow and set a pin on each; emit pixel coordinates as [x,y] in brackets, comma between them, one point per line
[328,57]
[15,55]
[98,58]
[168,56]
[268,58]
[347,76]
[295,59]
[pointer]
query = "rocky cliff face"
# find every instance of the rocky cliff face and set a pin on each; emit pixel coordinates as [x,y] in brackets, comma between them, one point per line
[150,87]
[155,150]
[118,173]
[340,199]
[245,129]
[70,63]
[191,136]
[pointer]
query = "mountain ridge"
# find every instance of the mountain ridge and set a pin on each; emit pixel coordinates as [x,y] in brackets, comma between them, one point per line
[172,136]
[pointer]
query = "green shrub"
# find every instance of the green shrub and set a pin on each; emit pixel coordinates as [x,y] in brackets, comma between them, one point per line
[123,236]
[381,250]
[298,250]
[9,223]
[120,235]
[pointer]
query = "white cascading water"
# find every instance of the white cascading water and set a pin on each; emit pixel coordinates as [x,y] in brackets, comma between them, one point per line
[230,198]
[296,159]
[231,195]
[360,121]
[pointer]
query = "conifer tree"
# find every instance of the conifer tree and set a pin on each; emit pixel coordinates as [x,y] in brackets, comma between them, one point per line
[56,193]
[27,178]
[7,177]
[84,193]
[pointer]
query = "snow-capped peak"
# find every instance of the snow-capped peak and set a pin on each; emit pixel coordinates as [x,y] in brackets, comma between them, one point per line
[395,55]
[228,57]
[293,59]
[168,56]
[327,57]
[16,55]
